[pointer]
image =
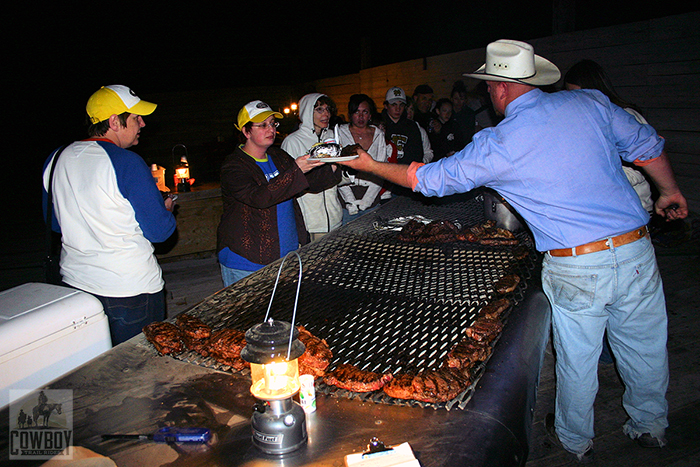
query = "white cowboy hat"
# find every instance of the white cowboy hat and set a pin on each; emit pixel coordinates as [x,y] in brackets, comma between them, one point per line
[516,62]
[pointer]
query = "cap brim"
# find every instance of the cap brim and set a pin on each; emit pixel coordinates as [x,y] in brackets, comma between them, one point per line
[142,108]
[261,117]
[545,73]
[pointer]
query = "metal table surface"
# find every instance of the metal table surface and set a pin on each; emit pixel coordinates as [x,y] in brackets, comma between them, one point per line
[132,390]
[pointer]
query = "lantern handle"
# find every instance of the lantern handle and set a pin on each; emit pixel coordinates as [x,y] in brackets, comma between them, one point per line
[296,299]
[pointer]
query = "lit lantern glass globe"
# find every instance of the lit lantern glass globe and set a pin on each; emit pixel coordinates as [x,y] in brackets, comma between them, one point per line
[279,424]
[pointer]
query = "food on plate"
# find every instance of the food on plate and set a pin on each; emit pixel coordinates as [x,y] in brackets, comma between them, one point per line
[165,337]
[194,332]
[225,347]
[350,377]
[350,150]
[317,355]
[322,150]
[495,308]
[506,284]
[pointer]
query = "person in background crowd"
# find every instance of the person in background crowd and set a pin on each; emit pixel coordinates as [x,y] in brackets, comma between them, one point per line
[322,211]
[462,113]
[555,158]
[445,137]
[401,131]
[423,97]
[262,221]
[364,192]
[428,152]
[478,100]
[109,213]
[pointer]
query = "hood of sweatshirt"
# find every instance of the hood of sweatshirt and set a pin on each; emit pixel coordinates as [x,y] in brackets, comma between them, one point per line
[306,110]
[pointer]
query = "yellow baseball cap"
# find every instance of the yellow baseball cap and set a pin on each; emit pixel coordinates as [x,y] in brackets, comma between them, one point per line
[256,112]
[114,100]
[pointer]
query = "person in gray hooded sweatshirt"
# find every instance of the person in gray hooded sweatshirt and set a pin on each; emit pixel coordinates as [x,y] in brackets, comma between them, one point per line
[322,211]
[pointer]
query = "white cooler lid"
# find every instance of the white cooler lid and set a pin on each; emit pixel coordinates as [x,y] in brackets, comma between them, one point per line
[33,311]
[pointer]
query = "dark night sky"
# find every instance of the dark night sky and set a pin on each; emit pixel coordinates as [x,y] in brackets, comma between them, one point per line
[57,55]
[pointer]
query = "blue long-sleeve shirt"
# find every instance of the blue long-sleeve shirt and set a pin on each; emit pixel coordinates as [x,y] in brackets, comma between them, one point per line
[556,159]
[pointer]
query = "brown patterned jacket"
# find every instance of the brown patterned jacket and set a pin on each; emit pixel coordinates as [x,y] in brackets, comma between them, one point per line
[248,224]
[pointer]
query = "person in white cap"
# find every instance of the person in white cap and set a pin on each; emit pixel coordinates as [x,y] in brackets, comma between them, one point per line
[260,182]
[109,213]
[556,158]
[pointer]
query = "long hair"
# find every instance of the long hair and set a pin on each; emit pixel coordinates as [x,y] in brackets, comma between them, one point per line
[588,74]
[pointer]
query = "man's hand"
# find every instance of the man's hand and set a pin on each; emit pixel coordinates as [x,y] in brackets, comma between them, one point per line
[395,173]
[672,207]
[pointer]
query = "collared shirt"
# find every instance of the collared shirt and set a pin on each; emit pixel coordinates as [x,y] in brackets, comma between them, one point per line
[556,159]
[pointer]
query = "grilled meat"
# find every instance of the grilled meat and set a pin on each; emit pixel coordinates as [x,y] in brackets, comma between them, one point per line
[317,355]
[194,332]
[400,387]
[467,352]
[484,330]
[433,386]
[350,377]
[495,308]
[350,150]
[165,337]
[225,347]
[506,284]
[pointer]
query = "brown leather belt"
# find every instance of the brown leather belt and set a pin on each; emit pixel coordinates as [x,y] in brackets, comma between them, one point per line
[601,245]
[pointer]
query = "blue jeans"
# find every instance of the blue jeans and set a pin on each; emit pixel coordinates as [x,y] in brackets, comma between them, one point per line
[619,290]
[230,275]
[128,315]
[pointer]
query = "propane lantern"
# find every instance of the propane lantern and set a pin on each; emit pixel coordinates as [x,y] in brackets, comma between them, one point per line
[272,349]
[182,178]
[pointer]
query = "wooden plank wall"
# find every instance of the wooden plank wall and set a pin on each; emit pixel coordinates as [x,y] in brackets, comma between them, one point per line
[655,64]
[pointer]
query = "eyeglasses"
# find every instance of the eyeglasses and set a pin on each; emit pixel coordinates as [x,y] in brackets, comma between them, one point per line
[322,109]
[265,126]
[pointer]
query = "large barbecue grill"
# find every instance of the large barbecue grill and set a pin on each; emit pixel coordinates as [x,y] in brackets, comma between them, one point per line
[382,304]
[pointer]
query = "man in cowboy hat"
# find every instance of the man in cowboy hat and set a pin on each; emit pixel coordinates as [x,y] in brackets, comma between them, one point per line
[556,159]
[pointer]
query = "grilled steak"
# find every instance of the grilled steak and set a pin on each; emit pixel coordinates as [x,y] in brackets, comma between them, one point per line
[165,337]
[400,387]
[350,150]
[349,377]
[317,355]
[433,386]
[484,330]
[225,347]
[506,284]
[194,331]
[495,309]
[466,352]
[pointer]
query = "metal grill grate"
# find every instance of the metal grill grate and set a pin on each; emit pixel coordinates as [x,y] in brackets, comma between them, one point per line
[381,304]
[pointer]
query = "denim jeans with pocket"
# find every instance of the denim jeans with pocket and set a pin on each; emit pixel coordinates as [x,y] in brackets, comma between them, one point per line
[619,290]
[128,315]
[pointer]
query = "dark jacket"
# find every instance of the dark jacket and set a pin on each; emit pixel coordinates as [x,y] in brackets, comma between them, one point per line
[406,135]
[248,224]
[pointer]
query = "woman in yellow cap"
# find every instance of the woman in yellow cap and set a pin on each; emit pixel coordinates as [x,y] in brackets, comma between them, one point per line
[262,221]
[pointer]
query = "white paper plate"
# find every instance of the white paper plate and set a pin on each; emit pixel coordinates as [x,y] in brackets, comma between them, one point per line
[334,159]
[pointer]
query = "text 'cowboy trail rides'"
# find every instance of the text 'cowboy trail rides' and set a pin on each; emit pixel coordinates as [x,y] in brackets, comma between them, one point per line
[41,424]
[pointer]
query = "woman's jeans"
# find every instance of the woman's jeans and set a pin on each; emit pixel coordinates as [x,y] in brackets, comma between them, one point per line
[128,315]
[229,275]
[619,290]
